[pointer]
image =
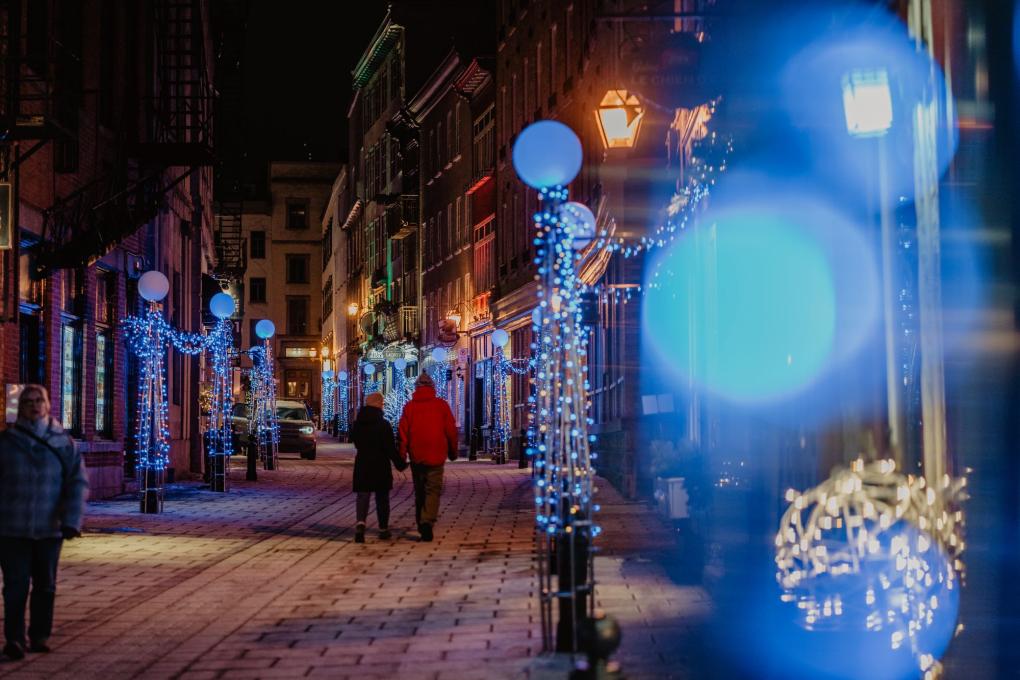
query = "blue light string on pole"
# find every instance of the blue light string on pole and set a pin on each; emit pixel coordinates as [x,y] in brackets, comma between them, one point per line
[263,423]
[148,337]
[343,402]
[547,156]
[329,385]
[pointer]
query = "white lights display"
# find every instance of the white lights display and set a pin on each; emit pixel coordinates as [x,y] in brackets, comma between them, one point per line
[343,402]
[876,553]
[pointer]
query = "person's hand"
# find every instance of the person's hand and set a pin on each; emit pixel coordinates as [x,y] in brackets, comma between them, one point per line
[69,533]
[452,455]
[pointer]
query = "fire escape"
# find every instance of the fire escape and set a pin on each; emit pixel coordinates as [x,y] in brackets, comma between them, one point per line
[231,255]
[157,147]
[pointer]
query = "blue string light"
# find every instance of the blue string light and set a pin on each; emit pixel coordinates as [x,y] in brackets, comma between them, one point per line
[262,420]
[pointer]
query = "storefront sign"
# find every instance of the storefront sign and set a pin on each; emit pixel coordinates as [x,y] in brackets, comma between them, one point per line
[6,216]
[668,71]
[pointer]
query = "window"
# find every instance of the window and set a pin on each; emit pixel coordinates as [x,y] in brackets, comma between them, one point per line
[457,222]
[297,316]
[298,267]
[70,382]
[297,384]
[257,290]
[554,76]
[300,352]
[451,150]
[297,213]
[440,146]
[258,245]
[104,297]
[327,297]
[104,373]
[456,128]
[539,90]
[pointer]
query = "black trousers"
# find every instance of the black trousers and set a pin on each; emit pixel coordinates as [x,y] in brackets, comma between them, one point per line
[29,561]
[382,507]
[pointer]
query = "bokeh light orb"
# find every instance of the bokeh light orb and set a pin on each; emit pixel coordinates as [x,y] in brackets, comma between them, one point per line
[265,329]
[327,374]
[500,337]
[369,369]
[439,355]
[547,154]
[581,222]
[342,375]
[400,364]
[153,286]
[222,306]
[767,294]
[773,315]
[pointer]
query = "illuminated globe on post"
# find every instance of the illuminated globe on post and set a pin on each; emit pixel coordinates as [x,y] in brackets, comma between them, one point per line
[369,369]
[265,329]
[221,306]
[342,375]
[547,154]
[327,374]
[400,364]
[439,355]
[153,286]
[579,218]
[500,337]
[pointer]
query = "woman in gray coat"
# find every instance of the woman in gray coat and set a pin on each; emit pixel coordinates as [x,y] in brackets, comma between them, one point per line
[42,500]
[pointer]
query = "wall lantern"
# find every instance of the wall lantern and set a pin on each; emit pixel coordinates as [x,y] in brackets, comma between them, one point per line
[352,309]
[619,118]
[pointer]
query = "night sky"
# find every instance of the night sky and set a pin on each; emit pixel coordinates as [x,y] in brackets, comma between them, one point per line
[297,76]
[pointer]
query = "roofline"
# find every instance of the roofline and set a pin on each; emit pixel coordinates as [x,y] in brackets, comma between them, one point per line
[377,49]
[433,89]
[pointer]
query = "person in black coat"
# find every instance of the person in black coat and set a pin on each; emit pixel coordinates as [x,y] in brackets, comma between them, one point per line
[376,448]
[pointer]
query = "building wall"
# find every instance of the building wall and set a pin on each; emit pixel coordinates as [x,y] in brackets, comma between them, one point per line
[307,185]
[92,299]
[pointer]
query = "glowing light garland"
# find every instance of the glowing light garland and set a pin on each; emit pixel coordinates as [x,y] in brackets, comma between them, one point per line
[148,337]
[329,386]
[502,368]
[343,406]
[877,546]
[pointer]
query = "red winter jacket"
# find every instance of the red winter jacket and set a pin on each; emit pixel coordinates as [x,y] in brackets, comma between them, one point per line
[427,430]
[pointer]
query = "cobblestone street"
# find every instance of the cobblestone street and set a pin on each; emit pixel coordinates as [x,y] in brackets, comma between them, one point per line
[266,581]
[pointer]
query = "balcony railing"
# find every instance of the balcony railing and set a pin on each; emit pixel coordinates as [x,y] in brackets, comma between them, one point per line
[402,216]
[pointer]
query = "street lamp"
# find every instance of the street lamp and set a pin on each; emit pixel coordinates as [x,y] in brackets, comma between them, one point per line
[619,117]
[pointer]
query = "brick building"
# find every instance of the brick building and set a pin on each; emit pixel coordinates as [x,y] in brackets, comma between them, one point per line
[284,277]
[445,109]
[107,179]
[384,245]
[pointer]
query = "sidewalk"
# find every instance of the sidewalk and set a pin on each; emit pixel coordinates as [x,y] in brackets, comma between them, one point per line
[266,582]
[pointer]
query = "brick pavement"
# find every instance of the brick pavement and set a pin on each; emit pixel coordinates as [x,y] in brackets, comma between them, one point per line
[266,582]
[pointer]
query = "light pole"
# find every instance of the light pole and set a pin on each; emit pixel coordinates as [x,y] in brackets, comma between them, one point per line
[220,430]
[547,156]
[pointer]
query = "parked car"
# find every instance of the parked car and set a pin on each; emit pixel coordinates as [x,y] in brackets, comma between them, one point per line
[297,431]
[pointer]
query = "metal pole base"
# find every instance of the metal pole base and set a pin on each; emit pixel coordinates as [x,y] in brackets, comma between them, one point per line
[218,472]
[252,474]
[151,499]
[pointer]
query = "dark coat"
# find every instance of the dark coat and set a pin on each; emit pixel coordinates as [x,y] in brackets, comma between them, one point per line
[373,438]
[41,490]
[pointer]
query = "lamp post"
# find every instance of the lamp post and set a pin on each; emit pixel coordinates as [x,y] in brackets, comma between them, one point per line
[264,378]
[220,431]
[547,156]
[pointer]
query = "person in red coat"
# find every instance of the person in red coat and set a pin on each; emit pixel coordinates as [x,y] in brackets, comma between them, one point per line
[428,436]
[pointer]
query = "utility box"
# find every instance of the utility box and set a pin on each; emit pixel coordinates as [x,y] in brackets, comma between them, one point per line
[671,497]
